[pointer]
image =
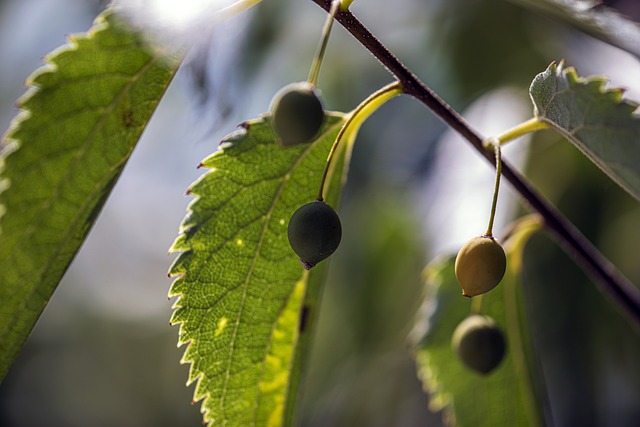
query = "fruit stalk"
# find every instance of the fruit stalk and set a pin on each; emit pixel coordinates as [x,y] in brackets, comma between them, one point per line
[322,47]
[355,119]
[494,204]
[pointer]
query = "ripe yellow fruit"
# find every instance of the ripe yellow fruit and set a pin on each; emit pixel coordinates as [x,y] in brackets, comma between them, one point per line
[480,343]
[480,265]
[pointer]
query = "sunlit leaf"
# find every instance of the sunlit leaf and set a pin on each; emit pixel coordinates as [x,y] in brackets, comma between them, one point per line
[245,305]
[81,118]
[508,396]
[596,119]
[241,289]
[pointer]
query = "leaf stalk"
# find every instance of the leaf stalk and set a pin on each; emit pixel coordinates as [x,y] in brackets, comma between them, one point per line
[531,125]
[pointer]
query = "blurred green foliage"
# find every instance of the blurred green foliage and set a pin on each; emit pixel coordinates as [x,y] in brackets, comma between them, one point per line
[585,343]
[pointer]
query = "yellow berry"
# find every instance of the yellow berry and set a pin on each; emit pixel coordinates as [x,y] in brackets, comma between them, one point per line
[480,265]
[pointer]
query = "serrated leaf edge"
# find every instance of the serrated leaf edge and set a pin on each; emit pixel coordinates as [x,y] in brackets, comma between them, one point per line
[614,94]
[181,247]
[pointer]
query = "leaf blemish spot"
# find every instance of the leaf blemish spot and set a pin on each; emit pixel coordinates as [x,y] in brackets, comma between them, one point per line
[127,118]
[222,324]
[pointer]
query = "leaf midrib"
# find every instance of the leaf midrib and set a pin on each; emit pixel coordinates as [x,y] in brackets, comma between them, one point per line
[244,285]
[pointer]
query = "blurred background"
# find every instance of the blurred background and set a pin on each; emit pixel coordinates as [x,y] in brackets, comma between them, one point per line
[103,353]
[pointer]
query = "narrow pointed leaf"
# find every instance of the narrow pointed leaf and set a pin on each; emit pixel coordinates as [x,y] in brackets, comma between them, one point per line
[80,120]
[596,119]
[509,395]
[242,293]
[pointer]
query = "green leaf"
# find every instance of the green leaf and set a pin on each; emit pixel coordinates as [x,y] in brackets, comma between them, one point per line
[508,396]
[82,116]
[245,305]
[243,296]
[594,19]
[597,120]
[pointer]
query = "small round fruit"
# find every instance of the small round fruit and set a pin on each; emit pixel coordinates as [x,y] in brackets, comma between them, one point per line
[314,232]
[479,343]
[296,114]
[480,265]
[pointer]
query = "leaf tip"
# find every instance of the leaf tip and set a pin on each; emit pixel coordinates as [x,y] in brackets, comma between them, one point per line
[237,135]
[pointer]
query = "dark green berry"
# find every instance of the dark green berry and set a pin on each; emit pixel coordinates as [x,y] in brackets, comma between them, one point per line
[479,343]
[314,232]
[297,114]
[480,265]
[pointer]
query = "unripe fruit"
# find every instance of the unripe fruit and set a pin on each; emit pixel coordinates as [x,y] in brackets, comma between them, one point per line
[479,343]
[314,232]
[480,265]
[296,114]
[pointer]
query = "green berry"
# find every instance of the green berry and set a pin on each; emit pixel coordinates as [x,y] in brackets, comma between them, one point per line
[480,265]
[297,114]
[479,343]
[314,232]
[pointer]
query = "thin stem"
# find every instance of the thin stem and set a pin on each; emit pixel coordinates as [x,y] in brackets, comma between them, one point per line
[356,117]
[322,47]
[476,304]
[496,188]
[531,125]
[610,280]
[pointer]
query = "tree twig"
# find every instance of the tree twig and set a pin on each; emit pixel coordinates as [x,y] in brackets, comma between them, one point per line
[609,279]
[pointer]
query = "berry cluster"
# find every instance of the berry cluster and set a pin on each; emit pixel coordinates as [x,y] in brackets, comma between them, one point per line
[297,116]
[480,266]
[315,231]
